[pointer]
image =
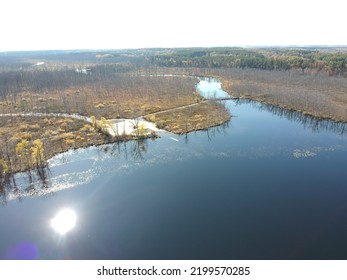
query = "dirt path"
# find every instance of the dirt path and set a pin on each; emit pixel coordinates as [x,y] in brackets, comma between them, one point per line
[173,109]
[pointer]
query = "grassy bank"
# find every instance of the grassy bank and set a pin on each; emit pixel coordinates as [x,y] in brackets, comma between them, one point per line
[191,118]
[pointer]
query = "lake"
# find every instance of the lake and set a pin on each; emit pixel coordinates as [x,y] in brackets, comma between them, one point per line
[269,184]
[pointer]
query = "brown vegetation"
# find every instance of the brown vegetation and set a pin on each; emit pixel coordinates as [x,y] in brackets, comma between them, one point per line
[107,96]
[118,96]
[126,85]
[190,118]
[56,134]
[316,95]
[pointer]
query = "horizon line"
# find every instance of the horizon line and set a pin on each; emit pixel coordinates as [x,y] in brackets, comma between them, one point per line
[154,48]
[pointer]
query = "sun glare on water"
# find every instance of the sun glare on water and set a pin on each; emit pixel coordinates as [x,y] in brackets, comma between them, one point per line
[64,221]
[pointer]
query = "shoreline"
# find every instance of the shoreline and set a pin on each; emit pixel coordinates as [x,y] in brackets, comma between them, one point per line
[311,114]
[331,115]
[125,129]
[128,130]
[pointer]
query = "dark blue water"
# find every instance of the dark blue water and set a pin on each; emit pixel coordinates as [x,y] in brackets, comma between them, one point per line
[268,185]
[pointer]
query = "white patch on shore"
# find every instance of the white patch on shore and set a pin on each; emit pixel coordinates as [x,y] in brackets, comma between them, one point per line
[128,126]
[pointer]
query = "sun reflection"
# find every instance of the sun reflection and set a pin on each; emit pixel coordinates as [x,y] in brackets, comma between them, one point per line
[64,221]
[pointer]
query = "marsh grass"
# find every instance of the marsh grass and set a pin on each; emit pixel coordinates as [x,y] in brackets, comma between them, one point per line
[198,117]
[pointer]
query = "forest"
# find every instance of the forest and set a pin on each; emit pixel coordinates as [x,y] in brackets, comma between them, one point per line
[114,84]
[328,60]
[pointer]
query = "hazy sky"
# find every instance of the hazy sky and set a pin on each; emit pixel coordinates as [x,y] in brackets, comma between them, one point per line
[106,24]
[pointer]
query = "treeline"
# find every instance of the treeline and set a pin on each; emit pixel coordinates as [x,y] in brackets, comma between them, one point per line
[41,183]
[13,82]
[28,141]
[40,80]
[102,95]
[53,60]
[333,63]
[27,155]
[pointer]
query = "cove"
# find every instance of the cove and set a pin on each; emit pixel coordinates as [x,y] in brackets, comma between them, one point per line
[269,184]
